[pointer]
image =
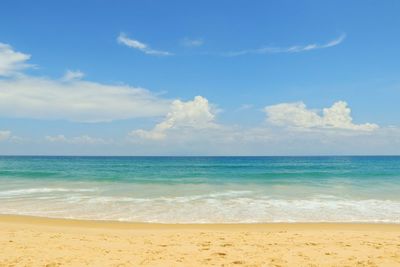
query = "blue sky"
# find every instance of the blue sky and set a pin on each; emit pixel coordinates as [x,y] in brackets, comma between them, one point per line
[135,68]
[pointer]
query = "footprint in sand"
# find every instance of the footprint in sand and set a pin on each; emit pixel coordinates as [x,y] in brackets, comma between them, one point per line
[221,254]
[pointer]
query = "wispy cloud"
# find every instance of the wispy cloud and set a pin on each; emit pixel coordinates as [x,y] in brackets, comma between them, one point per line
[245,107]
[135,44]
[4,135]
[73,75]
[188,42]
[11,61]
[79,140]
[71,97]
[76,100]
[290,49]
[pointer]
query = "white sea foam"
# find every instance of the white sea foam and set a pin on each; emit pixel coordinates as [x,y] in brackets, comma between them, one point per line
[204,190]
[29,191]
[222,207]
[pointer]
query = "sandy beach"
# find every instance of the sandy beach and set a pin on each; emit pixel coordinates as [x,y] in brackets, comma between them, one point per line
[33,241]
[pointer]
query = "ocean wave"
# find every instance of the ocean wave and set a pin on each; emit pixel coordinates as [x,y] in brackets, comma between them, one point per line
[171,199]
[29,191]
[210,209]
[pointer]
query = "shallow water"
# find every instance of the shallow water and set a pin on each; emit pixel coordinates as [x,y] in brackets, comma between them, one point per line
[203,189]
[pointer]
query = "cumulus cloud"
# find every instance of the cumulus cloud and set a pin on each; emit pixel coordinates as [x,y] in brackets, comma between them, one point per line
[195,114]
[135,44]
[290,49]
[11,62]
[4,135]
[338,116]
[188,127]
[84,139]
[191,123]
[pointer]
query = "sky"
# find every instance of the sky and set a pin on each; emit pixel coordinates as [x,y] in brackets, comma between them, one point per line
[199,77]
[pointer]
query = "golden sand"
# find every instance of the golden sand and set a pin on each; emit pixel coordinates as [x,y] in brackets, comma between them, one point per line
[31,241]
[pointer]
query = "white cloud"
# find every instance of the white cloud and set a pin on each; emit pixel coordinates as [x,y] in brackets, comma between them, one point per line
[293,129]
[56,138]
[291,49]
[76,100]
[4,135]
[245,107]
[338,116]
[192,42]
[11,62]
[70,98]
[71,75]
[83,139]
[189,127]
[196,114]
[125,40]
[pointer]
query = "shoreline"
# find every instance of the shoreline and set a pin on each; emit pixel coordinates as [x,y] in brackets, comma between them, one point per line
[39,241]
[69,222]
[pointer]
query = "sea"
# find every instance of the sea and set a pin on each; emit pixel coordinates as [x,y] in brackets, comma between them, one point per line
[203,189]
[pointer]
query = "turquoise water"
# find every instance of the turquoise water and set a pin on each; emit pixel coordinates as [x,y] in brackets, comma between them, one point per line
[203,189]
